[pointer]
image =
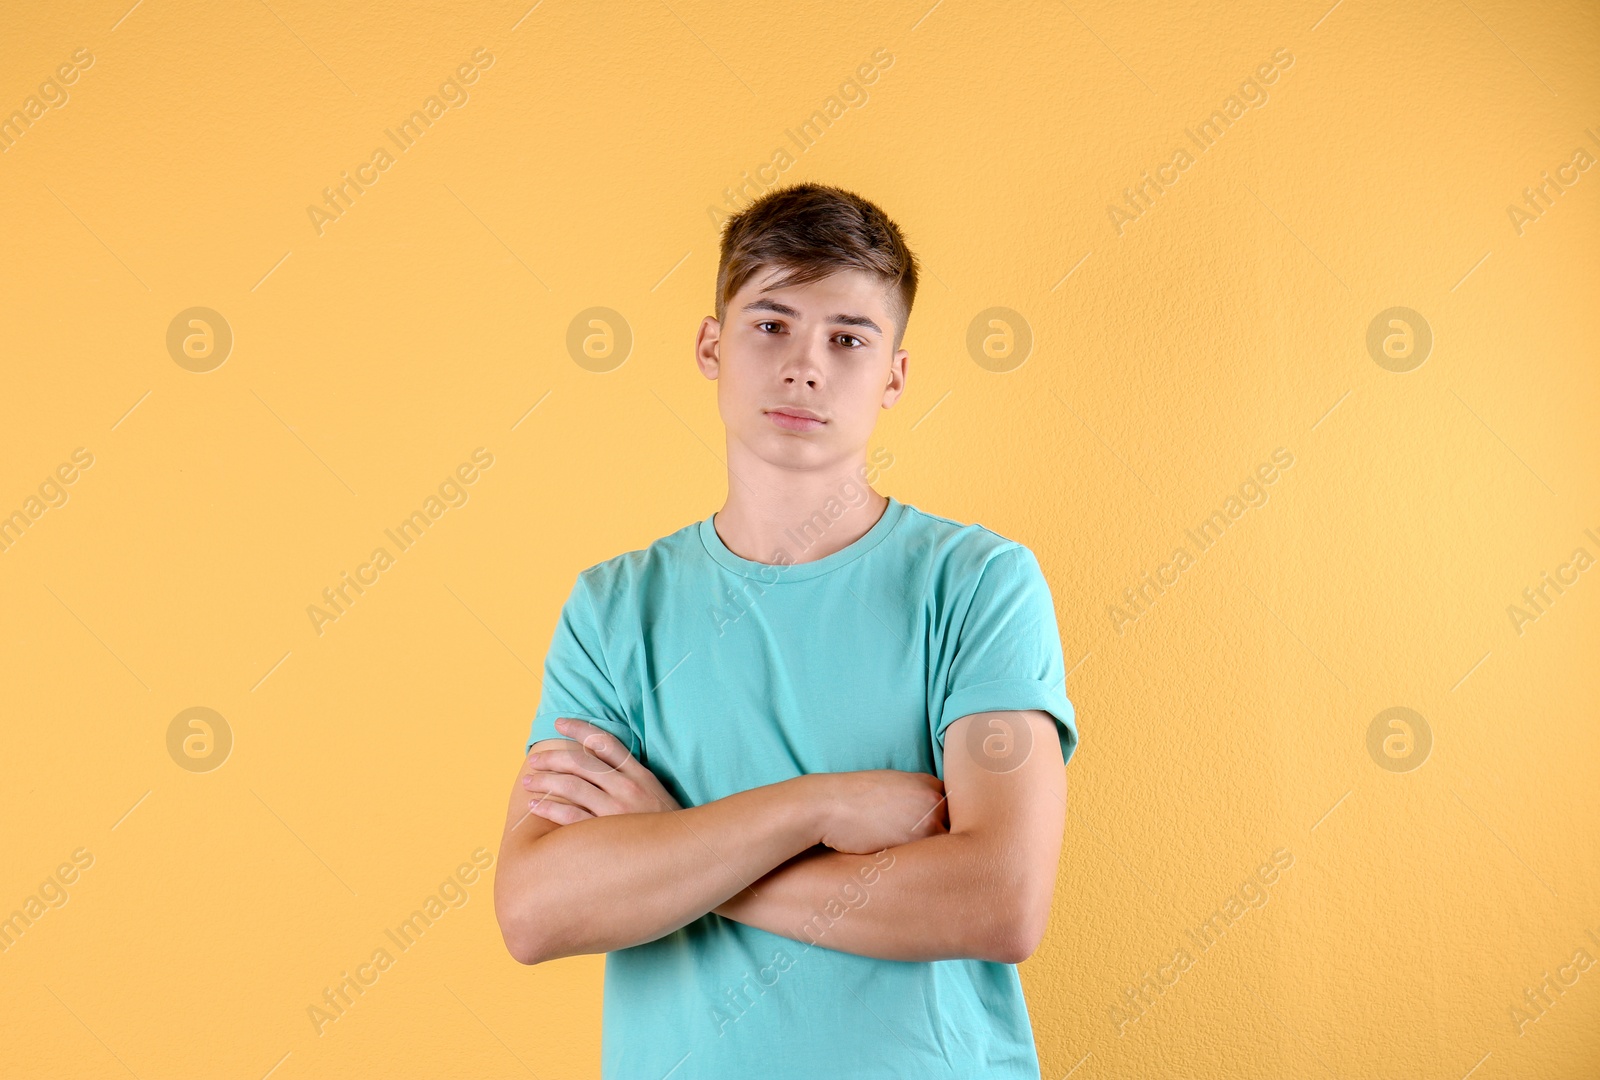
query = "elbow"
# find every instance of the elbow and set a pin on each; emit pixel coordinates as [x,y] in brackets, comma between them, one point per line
[1018,927]
[537,925]
[520,931]
[1014,900]
[523,948]
[1015,942]
[534,934]
[520,940]
[528,946]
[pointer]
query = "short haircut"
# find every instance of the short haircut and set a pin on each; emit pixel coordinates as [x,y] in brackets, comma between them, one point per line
[812,231]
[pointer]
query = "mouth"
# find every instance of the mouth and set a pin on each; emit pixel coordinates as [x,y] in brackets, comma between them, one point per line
[795,419]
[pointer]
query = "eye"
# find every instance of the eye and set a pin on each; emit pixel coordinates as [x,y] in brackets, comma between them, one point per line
[851,337]
[768,322]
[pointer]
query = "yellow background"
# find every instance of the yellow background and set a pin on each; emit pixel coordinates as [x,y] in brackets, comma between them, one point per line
[1229,721]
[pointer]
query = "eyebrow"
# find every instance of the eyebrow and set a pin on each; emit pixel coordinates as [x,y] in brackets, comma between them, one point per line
[784,309]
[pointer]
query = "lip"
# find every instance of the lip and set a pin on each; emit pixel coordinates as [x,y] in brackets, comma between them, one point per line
[795,419]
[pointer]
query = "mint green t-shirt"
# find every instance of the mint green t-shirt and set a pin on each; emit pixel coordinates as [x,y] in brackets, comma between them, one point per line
[722,674]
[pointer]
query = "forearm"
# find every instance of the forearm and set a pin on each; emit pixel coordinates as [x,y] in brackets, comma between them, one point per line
[612,882]
[944,897]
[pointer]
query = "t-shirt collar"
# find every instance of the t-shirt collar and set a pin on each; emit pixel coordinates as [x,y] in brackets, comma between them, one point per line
[795,544]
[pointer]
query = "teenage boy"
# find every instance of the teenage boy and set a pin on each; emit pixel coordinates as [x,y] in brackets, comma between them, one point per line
[797,767]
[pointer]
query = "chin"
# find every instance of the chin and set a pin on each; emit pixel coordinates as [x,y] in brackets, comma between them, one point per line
[792,451]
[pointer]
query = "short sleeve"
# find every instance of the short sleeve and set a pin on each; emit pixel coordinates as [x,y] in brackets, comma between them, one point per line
[1008,650]
[577,683]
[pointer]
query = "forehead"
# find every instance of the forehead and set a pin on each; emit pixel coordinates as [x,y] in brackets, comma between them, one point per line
[860,287]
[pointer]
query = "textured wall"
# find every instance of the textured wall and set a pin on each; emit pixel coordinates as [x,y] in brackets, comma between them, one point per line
[1437,867]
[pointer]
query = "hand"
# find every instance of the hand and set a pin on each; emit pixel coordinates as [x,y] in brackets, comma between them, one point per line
[598,778]
[882,808]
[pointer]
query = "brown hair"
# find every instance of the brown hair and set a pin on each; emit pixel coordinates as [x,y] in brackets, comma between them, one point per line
[814,230]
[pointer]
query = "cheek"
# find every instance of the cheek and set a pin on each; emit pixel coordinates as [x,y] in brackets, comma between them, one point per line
[870,382]
[859,406]
[739,398]
[738,385]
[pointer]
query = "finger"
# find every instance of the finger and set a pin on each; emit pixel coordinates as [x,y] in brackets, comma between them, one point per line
[577,761]
[602,744]
[606,760]
[633,789]
[527,786]
[575,790]
[571,758]
[560,813]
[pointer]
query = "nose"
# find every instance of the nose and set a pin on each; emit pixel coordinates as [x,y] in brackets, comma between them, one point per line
[803,365]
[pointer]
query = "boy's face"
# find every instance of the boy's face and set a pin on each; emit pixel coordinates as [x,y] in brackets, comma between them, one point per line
[802,371]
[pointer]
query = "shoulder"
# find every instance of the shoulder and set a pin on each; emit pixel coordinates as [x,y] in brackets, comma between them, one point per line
[625,575]
[956,552]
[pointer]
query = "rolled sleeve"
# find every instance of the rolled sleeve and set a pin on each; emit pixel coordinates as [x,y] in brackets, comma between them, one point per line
[1008,650]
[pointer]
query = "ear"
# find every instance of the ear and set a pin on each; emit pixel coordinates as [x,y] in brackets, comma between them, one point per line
[897,378]
[707,347]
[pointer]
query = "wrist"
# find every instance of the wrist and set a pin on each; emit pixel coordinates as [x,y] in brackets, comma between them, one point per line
[819,803]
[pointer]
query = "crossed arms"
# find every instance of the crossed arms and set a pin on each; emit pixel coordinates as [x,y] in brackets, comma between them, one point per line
[597,856]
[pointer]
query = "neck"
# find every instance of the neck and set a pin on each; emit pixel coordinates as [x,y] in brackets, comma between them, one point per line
[805,514]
